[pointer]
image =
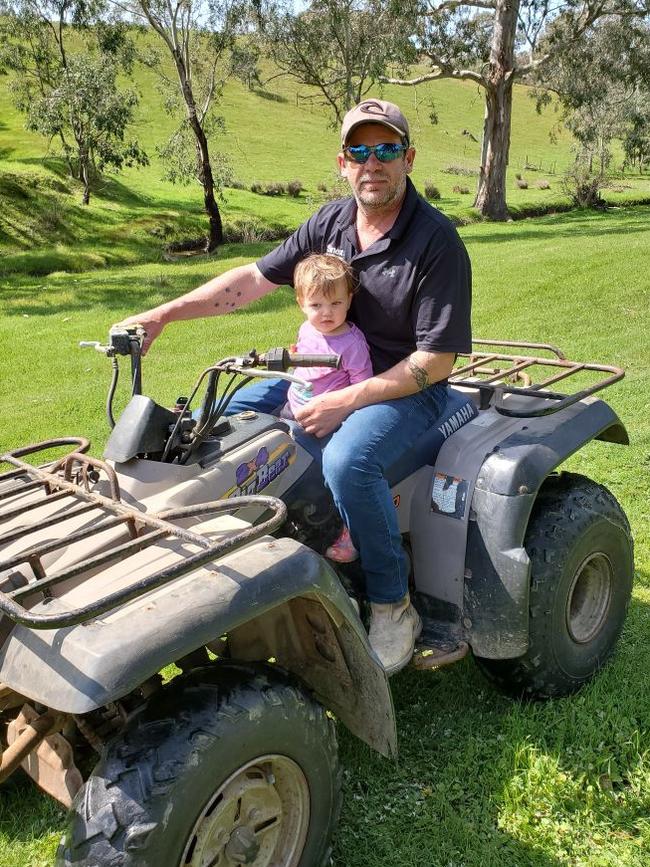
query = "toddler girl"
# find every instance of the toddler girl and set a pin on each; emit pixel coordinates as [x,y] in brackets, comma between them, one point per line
[324,286]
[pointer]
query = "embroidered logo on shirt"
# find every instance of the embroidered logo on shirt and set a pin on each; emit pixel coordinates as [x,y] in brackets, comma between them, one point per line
[335,251]
[391,273]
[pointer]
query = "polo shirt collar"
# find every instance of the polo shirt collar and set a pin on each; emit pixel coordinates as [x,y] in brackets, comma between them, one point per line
[348,213]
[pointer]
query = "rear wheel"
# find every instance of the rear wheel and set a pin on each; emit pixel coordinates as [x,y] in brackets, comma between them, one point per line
[582,566]
[231,765]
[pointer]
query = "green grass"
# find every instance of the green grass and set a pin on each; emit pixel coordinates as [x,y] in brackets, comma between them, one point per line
[481,781]
[133,215]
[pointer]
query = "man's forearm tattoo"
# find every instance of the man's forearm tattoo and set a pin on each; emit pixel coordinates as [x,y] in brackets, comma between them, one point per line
[419,374]
[226,303]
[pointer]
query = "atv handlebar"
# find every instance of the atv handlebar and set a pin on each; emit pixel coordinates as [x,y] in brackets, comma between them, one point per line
[280,359]
[299,360]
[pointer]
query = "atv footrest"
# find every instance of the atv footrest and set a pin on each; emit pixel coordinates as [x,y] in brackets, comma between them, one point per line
[441,643]
[431,656]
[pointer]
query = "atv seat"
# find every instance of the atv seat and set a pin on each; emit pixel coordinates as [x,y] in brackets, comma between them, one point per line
[459,410]
[269,395]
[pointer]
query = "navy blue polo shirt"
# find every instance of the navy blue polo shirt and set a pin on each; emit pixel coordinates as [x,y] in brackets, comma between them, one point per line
[415,283]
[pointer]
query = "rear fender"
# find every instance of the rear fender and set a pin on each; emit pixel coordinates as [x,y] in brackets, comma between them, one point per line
[497,567]
[274,598]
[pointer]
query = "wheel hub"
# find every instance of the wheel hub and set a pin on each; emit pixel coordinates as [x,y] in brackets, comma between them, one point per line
[242,846]
[589,597]
[259,815]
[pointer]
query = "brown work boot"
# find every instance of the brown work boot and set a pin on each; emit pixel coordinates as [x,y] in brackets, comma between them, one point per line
[394,627]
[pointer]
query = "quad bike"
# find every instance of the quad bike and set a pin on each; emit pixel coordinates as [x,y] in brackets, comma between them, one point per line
[196,542]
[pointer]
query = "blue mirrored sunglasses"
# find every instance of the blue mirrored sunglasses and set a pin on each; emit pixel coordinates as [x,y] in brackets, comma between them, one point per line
[385,153]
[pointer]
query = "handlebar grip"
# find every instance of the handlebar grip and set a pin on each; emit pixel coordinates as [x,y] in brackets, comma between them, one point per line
[300,360]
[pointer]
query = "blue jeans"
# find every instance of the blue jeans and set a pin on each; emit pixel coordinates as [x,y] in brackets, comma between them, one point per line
[356,459]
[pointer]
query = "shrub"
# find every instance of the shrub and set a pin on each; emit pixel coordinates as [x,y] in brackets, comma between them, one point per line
[338,190]
[518,176]
[462,190]
[431,191]
[274,189]
[252,231]
[522,184]
[583,185]
[543,185]
[237,185]
[294,188]
[461,170]
[322,187]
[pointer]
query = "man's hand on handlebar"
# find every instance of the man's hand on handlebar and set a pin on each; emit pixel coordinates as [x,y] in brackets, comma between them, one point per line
[151,324]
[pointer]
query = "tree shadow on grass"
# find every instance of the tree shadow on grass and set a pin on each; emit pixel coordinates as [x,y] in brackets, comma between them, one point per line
[104,187]
[481,778]
[571,225]
[267,94]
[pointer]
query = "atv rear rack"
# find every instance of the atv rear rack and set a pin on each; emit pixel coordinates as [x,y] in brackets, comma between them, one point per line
[490,372]
[69,481]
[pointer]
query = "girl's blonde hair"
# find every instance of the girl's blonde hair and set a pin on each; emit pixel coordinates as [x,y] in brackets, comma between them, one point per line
[321,272]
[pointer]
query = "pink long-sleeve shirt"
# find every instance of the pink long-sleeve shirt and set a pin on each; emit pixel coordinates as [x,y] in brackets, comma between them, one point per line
[355,362]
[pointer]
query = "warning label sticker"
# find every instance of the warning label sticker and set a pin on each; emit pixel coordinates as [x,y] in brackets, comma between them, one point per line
[449,495]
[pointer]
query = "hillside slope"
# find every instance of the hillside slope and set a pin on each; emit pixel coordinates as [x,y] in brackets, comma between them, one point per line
[270,136]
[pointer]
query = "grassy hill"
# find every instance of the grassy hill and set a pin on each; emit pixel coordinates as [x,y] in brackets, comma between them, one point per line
[270,136]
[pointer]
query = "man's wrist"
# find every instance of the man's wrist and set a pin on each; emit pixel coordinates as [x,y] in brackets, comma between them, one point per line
[353,396]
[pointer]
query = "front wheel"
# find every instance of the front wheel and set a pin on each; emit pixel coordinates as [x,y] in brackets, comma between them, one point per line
[231,765]
[582,566]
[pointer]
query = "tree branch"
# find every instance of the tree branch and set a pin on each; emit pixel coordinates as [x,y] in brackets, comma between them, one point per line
[533,66]
[452,5]
[440,72]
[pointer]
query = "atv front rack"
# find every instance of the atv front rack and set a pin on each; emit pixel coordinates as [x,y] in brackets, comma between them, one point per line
[495,374]
[69,481]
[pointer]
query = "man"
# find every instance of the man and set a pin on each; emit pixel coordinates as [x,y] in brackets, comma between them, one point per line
[412,304]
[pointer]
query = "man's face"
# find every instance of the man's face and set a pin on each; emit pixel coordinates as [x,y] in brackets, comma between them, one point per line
[376,185]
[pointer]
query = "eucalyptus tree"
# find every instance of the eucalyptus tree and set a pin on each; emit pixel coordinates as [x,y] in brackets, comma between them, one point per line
[66,56]
[339,49]
[602,86]
[495,43]
[197,38]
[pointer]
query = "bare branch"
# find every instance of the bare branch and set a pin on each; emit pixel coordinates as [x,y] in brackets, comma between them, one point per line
[440,72]
[211,88]
[533,66]
[131,9]
[452,5]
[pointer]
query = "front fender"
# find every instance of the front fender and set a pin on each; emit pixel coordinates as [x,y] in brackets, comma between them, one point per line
[275,598]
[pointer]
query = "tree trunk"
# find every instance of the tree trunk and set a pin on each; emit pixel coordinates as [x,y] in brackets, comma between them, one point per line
[84,175]
[206,178]
[491,193]
[215,237]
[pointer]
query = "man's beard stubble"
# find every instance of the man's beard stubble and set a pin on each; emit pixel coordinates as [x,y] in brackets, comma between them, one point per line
[392,194]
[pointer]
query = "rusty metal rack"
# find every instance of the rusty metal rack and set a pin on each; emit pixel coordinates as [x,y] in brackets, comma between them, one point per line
[495,373]
[69,480]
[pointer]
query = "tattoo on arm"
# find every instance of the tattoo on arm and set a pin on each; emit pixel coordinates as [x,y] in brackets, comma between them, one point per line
[419,374]
[218,303]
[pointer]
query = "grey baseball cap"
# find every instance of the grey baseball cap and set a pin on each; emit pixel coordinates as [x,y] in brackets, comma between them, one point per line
[374,111]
